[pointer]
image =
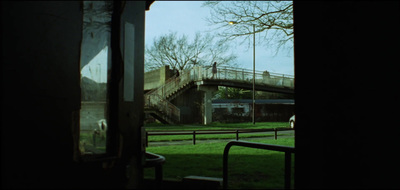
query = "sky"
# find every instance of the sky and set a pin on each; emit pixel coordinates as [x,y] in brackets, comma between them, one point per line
[96,69]
[189,17]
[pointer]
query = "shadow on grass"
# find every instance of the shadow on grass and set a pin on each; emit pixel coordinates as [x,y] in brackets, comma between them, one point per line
[246,171]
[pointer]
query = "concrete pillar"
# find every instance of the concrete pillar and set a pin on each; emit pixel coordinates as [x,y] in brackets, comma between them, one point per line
[164,74]
[207,102]
[207,115]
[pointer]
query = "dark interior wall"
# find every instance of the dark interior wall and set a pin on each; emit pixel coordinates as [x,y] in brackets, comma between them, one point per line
[40,90]
[346,71]
[41,45]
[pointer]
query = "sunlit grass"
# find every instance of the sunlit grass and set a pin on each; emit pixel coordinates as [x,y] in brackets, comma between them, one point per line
[248,168]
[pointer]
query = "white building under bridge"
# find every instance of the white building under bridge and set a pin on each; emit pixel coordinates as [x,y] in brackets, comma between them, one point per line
[240,110]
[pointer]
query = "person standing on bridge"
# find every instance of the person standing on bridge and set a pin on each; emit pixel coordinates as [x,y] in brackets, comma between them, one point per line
[214,69]
[178,79]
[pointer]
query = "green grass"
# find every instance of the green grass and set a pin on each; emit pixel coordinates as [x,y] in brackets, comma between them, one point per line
[170,138]
[248,168]
[86,138]
[213,126]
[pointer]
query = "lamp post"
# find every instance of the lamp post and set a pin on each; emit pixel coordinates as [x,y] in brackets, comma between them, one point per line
[254,67]
[254,73]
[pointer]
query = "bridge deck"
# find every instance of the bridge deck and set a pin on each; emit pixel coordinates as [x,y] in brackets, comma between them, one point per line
[225,76]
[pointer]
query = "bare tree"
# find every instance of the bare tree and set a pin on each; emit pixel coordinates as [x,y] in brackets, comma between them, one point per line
[181,54]
[273,20]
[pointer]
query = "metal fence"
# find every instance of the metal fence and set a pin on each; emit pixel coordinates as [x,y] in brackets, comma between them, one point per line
[209,132]
[246,76]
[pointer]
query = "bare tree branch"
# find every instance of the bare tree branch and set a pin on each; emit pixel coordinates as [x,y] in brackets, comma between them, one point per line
[181,54]
[273,20]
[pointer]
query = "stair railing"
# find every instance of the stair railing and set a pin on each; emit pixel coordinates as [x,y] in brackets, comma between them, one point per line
[162,105]
[157,98]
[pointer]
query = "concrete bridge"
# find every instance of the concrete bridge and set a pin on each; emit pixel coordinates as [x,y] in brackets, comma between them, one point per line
[187,98]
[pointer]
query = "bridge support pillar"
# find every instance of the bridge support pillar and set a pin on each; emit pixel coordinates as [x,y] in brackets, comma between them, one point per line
[207,102]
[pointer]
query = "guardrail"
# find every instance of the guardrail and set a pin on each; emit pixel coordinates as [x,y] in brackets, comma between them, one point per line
[210,132]
[286,149]
[246,75]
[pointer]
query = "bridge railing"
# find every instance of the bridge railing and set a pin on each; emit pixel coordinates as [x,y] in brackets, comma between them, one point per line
[246,75]
[157,97]
[224,73]
[172,85]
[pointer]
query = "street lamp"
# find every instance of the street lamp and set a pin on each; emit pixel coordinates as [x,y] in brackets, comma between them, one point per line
[254,67]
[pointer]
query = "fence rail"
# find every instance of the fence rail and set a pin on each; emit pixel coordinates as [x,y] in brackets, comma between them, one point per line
[210,132]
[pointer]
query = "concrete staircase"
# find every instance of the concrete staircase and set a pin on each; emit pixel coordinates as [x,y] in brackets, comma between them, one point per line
[157,101]
[160,116]
[179,91]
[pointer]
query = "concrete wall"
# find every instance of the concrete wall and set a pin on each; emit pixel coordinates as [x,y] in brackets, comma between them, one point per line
[156,78]
[152,79]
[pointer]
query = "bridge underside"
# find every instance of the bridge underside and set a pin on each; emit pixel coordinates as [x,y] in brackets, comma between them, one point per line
[189,100]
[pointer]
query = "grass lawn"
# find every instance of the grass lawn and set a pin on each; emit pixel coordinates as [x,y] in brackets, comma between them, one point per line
[248,168]
[213,126]
[86,140]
